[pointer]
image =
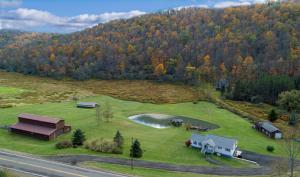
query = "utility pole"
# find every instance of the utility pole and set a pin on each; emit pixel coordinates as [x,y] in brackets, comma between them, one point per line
[131,153]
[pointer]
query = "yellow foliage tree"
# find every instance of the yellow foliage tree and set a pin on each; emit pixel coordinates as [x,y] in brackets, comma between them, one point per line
[52,57]
[159,70]
[130,49]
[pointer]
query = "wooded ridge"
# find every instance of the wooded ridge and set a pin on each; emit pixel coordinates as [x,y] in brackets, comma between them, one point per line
[187,45]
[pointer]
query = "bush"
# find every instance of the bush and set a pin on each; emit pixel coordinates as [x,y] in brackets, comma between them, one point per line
[188,143]
[63,145]
[102,145]
[256,99]
[3,106]
[270,148]
[272,115]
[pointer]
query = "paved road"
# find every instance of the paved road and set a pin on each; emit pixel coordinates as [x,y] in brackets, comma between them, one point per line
[221,170]
[45,168]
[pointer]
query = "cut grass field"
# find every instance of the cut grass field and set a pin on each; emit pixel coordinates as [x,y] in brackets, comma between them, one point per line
[165,145]
[141,172]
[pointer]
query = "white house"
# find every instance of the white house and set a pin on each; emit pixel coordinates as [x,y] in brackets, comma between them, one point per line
[214,144]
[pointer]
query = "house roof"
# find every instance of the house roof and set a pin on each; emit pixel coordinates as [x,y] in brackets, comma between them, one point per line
[33,128]
[39,118]
[269,127]
[218,140]
[87,104]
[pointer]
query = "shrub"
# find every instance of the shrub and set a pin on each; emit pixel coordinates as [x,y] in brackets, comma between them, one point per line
[5,106]
[188,126]
[270,148]
[188,143]
[102,145]
[176,122]
[78,138]
[272,115]
[136,150]
[63,145]
[117,150]
[256,99]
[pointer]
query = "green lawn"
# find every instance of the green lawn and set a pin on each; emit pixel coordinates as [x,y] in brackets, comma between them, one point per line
[141,172]
[165,145]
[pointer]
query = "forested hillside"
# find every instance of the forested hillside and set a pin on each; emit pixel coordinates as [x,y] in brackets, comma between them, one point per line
[191,45]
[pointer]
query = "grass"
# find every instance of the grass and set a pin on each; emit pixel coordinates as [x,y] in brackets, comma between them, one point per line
[9,91]
[49,90]
[166,145]
[141,172]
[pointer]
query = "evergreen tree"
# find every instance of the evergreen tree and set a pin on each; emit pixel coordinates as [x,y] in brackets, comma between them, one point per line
[293,118]
[119,140]
[272,115]
[136,150]
[78,138]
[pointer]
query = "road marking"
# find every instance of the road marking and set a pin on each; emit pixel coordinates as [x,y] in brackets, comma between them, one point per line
[37,166]
[66,165]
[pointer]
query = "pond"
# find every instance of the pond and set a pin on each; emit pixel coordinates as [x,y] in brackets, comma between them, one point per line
[162,121]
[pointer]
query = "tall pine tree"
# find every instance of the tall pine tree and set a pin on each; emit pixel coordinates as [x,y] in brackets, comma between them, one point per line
[78,138]
[136,150]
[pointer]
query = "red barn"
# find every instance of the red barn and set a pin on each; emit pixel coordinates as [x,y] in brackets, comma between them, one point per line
[41,127]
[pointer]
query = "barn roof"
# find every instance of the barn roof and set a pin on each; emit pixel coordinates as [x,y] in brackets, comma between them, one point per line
[39,118]
[33,128]
[218,140]
[87,104]
[269,127]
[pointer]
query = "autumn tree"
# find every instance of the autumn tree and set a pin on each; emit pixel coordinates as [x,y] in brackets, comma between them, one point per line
[99,114]
[292,148]
[107,112]
[159,70]
[206,69]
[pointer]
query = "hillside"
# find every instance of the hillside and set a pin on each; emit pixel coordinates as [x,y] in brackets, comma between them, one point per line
[187,45]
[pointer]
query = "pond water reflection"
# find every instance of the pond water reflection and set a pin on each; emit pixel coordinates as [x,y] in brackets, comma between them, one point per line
[162,121]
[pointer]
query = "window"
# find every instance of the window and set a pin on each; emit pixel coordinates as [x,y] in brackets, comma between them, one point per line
[226,149]
[199,144]
[195,143]
[219,147]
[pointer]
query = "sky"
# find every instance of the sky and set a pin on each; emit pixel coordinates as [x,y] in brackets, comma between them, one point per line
[65,16]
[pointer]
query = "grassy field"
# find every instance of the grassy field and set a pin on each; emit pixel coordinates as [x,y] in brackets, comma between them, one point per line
[165,145]
[54,98]
[48,90]
[141,172]
[6,91]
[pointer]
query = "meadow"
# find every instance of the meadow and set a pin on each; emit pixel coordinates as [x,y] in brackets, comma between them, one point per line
[165,145]
[44,96]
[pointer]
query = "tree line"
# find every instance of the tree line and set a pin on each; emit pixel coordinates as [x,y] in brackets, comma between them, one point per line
[191,45]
